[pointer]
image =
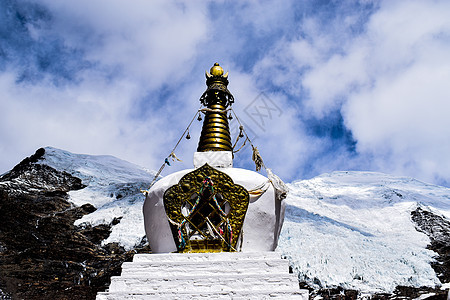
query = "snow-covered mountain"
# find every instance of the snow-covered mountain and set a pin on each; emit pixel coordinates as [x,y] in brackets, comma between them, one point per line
[113,187]
[64,218]
[354,230]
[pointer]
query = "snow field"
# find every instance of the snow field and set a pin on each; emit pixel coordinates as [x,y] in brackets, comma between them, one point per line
[348,229]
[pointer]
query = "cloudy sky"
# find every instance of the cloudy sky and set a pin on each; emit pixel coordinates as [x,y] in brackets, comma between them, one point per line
[320,85]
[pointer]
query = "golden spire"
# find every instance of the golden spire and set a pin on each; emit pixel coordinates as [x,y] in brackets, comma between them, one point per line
[215,134]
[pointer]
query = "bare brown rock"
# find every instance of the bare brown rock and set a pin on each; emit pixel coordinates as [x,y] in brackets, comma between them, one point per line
[42,254]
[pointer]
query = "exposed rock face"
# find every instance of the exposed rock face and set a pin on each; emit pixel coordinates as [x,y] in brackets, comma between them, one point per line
[42,254]
[438,230]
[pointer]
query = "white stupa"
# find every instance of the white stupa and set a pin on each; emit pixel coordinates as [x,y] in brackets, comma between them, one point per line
[215,207]
[212,229]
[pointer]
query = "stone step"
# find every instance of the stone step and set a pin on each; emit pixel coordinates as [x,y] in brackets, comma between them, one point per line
[174,257]
[212,283]
[205,276]
[206,267]
[236,295]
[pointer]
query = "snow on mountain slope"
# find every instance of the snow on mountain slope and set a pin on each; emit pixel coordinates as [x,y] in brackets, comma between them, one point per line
[113,187]
[348,229]
[354,230]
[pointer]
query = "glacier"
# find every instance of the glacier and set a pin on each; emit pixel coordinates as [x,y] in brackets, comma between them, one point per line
[354,230]
[347,229]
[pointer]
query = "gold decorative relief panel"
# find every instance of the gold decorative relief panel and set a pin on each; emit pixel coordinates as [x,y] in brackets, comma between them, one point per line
[206,211]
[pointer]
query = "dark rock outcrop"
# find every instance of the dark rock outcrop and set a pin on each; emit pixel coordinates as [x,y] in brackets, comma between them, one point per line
[42,254]
[401,292]
[438,230]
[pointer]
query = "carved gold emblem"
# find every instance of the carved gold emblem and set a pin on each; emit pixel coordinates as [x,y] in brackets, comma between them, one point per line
[206,211]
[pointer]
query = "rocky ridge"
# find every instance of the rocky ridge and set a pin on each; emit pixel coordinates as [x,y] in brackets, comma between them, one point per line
[437,229]
[42,253]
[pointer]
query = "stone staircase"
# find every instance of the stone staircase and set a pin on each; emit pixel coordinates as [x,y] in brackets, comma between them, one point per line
[225,275]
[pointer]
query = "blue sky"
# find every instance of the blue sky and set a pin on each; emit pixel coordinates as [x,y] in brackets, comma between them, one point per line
[320,85]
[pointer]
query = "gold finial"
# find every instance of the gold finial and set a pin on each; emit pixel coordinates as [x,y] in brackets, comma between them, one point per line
[216,70]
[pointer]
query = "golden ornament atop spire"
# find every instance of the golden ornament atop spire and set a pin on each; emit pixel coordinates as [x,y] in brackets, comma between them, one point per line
[215,134]
[216,70]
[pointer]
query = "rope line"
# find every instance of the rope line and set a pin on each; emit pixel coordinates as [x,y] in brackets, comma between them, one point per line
[235,143]
[242,146]
[243,128]
[281,189]
[256,156]
[172,154]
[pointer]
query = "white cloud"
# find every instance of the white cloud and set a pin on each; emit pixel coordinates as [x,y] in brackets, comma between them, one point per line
[389,79]
[148,41]
[136,73]
[399,114]
[129,51]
